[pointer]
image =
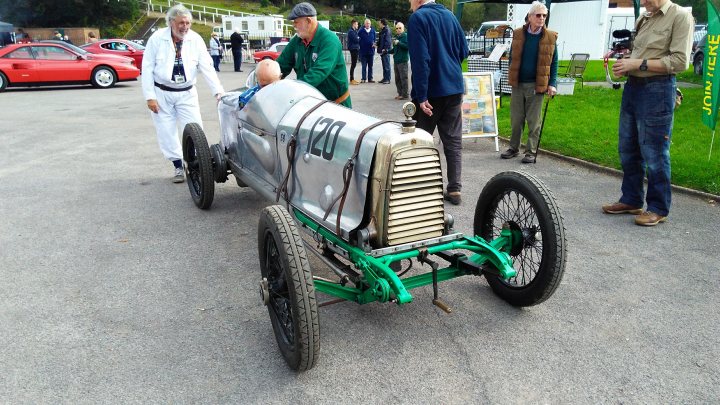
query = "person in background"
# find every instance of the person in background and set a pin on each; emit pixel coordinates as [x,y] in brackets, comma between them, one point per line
[236,45]
[384,45]
[215,50]
[353,45]
[663,39]
[400,59]
[316,55]
[367,51]
[67,40]
[173,56]
[437,48]
[532,74]
[57,36]
[92,38]
[267,72]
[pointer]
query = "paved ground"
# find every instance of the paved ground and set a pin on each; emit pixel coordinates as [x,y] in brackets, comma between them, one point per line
[115,288]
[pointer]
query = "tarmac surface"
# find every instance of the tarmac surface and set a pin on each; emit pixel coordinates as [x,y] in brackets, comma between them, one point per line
[115,288]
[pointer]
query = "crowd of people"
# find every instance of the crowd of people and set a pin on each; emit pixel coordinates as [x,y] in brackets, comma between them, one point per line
[434,45]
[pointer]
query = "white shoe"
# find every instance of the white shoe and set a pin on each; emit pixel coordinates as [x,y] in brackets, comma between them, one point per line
[179,175]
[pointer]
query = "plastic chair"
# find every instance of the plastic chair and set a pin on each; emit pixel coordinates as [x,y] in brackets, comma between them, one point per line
[576,68]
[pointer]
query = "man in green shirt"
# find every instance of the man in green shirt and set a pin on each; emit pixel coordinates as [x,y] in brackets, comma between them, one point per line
[401,57]
[316,55]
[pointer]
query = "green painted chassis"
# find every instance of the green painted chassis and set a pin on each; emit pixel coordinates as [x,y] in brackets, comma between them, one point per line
[380,283]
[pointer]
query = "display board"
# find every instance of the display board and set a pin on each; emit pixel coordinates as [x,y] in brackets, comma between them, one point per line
[479,113]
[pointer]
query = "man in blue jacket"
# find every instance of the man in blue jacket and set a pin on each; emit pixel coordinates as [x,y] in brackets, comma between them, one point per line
[353,45]
[367,51]
[437,48]
[384,45]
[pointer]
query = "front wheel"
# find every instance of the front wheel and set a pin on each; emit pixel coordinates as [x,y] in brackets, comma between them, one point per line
[103,77]
[198,166]
[287,278]
[698,64]
[522,203]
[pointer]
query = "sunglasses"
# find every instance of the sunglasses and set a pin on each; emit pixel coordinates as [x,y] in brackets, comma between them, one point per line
[541,15]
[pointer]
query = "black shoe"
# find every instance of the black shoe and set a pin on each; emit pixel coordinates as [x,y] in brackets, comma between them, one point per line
[240,70]
[452,196]
[510,153]
[371,81]
[385,82]
[528,159]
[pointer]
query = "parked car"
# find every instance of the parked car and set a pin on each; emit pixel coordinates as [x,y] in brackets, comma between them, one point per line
[698,55]
[488,35]
[120,47]
[271,53]
[59,63]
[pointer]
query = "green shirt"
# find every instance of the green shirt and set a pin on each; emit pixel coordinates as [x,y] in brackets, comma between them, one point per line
[400,50]
[321,64]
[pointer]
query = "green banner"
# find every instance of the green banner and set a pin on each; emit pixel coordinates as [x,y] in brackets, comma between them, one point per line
[711,74]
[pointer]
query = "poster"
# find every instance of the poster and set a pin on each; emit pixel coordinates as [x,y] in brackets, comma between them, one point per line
[478,108]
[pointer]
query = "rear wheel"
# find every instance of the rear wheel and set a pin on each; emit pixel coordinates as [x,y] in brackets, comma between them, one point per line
[103,77]
[522,203]
[3,81]
[198,166]
[288,288]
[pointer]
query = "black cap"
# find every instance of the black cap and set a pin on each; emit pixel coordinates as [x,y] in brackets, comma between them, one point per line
[303,9]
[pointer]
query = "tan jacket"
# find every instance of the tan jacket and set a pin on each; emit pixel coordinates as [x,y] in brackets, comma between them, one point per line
[545,57]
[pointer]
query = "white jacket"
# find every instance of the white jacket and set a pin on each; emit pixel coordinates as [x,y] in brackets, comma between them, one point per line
[215,47]
[159,59]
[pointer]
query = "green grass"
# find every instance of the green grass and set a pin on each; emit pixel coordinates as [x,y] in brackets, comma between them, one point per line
[585,126]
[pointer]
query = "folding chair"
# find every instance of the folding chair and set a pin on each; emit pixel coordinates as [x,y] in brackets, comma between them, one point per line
[576,68]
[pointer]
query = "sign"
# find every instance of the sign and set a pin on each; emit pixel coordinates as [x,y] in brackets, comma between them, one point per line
[479,113]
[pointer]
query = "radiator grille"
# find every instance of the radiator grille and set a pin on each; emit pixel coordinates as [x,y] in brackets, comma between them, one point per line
[415,199]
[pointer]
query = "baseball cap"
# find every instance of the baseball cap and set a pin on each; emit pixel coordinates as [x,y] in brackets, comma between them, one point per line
[303,9]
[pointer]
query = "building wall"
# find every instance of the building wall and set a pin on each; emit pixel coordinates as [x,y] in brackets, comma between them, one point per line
[78,36]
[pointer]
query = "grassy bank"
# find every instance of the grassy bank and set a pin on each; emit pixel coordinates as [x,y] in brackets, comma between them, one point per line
[585,126]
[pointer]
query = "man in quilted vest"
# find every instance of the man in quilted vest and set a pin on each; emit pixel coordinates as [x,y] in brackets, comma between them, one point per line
[533,73]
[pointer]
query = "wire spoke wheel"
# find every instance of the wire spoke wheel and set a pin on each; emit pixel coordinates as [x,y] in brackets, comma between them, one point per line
[524,205]
[198,166]
[291,304]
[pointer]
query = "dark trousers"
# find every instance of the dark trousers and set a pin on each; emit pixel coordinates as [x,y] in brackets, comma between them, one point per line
[216,62]
[367,66]
[385,59]
[237,58]
[447,117]
[401,79]
[353,62]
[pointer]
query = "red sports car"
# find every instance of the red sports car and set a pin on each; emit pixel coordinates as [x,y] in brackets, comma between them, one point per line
[58,63]
[120,47]
[271,53]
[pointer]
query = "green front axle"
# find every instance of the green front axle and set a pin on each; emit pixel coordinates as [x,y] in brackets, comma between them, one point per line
[379,281]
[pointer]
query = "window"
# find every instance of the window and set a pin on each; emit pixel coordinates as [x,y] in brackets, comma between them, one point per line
[22,53]
[228,26]
[53,53]
[261,25]
[244,26]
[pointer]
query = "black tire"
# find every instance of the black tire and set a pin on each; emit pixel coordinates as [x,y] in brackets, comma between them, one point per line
[103,77]
[524,203]
[3,81]
[292,305]
[198,166]
[698,64]
[220,168]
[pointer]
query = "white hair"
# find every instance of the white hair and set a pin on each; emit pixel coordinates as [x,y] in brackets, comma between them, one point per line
[536,7]
[175,11]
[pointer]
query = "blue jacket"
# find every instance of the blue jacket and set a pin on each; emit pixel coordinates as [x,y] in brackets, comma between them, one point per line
[385,42]
[437,48]
[367,39]
[353,40]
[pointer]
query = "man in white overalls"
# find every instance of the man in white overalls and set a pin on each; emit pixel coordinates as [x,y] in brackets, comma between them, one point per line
[172,58]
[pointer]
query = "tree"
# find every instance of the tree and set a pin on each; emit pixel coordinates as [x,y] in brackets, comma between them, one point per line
[69,13]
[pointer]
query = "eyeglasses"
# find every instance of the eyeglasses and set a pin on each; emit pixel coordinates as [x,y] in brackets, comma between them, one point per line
[398,28]
[540,15]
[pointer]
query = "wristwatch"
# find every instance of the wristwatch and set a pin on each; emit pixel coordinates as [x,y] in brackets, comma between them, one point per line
[643,66]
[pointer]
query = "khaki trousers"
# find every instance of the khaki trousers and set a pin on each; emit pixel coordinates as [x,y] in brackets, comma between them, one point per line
[525,105]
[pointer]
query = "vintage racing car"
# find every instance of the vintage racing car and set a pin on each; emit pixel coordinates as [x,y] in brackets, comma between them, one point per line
[369,195]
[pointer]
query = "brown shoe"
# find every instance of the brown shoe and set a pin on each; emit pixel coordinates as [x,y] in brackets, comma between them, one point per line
[354,82]
[649,218]
[453,197]
[621,208]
